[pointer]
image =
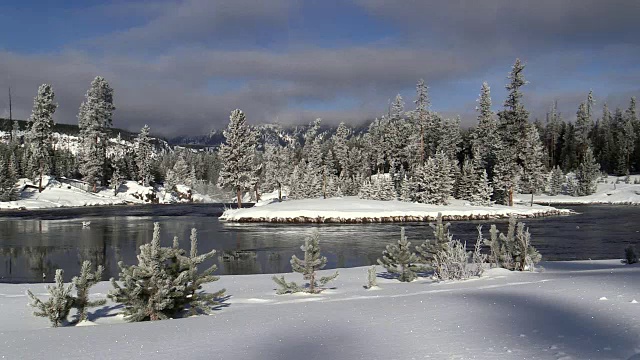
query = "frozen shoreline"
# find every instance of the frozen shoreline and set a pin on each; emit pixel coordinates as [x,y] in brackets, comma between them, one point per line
[354,210]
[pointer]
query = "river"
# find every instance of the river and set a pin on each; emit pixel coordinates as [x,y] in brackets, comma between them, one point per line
[35,243]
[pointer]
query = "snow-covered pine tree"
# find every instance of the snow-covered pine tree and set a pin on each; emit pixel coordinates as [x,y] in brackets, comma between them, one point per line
[557,179]
[435,180]
[59,303]
[341,150]
[181,170]
[40,134]
[237,155]
[533,178]
[513,250]
[587,174]
[366,190]
[505,175]
[421,116]
[94,121]
[83,284]
[482,190]
[164,283]
[468,180]
[484,137]
[311,263]
[8,178]
[278,167]
[371,278]
[385,190]
[399,259]
[143,151]
[450,139]
[441,237]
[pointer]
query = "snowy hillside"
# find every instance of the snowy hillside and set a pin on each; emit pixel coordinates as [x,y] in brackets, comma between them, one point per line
[571,310]
[352,209]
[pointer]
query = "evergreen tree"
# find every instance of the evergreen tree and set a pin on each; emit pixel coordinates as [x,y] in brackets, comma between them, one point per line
[60,301]
[552,134]
[587,174]
[506,174]
[143,152]
[165,283]
[421,115]
[484,138]
[582,128]
[625,137]
[557,179]
[40,134]
[441,238]
[399,259]
[277,167]
[94,121]
[341,149]
[308,267]
[468,179]
[82,284]
[533,179]
[482,190]
[237,153]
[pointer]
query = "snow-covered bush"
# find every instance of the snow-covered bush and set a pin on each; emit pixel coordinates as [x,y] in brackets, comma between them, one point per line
[165,283]
[399,259]
[371,277]
[312,262]
[630,255]
[452,262]
[60,301]
[513,251]
[82,284]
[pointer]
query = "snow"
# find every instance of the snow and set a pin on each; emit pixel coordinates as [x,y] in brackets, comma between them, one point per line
[503,315]
[56,194]
[353,209]
[606,193]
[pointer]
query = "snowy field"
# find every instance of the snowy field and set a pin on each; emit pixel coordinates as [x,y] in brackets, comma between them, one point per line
[570,310]
[606,193]
[353,209]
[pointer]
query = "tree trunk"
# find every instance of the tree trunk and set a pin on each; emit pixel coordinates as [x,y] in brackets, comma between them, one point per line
[279,192]
[239,194]
[312,280]
[41,173]
[421,143]
[257,192]
[511,196]
[531,199]
[94,186]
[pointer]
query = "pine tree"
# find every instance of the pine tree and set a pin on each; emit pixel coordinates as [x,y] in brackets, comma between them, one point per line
[277,167]
[482,190]
[441,238]
[587,174]
[308,267]
[60,301]
[341,149]
[421,115]
[485,135]
[557,179]
[552,134]
[165,283]
[399,259]
[94,121]
[371,278]
[532,179]
[83,284]
[143,151]
[40,134]
[513,250]
[505,177]
[237,153]
[435,180]
[468,179]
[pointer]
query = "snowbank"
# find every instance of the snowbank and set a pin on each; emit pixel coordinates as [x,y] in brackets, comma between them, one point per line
[355,210]
[571,310]
[606,193]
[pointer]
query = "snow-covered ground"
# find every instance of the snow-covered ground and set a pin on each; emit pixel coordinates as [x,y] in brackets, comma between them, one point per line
[571,310]
[607,193]
[56,194]
[353,209]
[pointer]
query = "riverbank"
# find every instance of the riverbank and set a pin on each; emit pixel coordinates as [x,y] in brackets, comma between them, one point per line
[578,309]
[613,191]
[60,195]
[355,210]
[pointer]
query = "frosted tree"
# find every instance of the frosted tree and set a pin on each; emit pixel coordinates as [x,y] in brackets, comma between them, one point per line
[8,179]
[468,179]
[450,139]
[441,238]
[83,284]
[583,126]
[143,155]
[397,108]
[181,170]
[308,267]
[484,137]
[237,155]
[95,120]
[435,180]
[40,134]
[277,167]
[366,190]
[341,149]
[533,178]
[587,174]
[399,259]
[481,190]
[505,175]
[421,115]
[59,303]
[371,278]
[513,250]
[557,179]
[165,283]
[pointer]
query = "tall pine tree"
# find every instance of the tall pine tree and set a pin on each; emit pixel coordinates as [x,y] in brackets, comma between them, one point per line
[40,134]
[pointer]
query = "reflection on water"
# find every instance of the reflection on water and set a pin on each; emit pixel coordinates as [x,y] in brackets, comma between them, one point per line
[37,243]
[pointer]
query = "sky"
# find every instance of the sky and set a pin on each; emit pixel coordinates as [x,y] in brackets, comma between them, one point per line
[181,66]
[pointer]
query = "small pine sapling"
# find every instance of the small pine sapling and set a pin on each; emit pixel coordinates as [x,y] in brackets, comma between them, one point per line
[478,258]
[82,284]
[442,237]
[371,278]
[399,259]
[451,263]
[513,251]
[525,256]
[312,262]
[494,246]
[60,301]
[630,255]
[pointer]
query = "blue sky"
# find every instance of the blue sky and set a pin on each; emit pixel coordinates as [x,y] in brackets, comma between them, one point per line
[182,66]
